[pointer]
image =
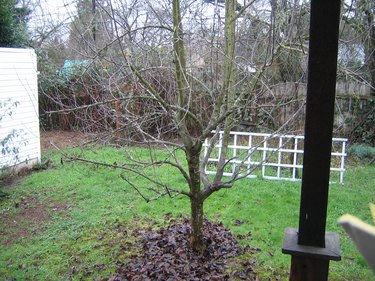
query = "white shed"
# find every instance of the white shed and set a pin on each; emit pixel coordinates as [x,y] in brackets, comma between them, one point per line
[19,117]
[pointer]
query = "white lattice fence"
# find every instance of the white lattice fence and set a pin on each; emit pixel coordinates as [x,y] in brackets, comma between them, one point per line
[271,156]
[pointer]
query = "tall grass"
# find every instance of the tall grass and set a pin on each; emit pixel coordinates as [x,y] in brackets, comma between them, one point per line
[92,231]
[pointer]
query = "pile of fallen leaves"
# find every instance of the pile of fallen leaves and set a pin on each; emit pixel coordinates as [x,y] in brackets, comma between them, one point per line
[166,255]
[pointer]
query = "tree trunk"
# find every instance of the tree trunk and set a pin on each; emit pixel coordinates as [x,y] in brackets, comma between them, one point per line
[370,47]
[196,197]
[229,83]
[192,149]
[196,239]
[372,61]
[369,40]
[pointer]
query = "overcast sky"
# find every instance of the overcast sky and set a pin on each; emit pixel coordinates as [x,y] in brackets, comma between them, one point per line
[52,11]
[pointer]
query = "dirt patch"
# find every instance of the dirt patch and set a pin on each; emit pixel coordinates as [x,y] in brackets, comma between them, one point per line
[50,140]
[11,181]
[29,218]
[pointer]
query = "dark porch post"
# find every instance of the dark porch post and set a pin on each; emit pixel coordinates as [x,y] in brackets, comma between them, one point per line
[311,247]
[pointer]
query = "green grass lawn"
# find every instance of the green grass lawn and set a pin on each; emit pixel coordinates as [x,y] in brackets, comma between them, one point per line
[87,215]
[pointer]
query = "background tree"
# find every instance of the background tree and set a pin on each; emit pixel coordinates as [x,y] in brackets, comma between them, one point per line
[358,42]
[90,28]
[357,63]
[13,20]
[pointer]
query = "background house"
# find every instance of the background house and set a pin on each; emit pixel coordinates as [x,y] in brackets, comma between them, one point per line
[19,117]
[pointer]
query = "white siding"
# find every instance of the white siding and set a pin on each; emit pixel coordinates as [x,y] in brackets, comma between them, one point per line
[19,115]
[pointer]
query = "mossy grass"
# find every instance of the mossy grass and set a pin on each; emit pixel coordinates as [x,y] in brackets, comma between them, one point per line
[93,213]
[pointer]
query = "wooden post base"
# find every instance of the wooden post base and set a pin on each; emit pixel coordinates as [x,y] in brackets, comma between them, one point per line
[308,269]
[310,263]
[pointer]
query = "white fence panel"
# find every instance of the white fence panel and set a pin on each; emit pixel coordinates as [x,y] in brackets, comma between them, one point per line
[271,156]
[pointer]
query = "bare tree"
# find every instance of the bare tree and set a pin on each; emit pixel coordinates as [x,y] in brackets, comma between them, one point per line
[358,41]
[169,74]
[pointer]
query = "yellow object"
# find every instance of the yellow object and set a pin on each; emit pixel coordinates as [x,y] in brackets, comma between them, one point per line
[362,234]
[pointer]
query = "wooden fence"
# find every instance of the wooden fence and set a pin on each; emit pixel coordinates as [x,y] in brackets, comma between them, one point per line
[284,103]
